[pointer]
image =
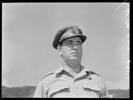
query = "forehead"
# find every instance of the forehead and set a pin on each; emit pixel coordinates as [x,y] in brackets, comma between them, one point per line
[73,39]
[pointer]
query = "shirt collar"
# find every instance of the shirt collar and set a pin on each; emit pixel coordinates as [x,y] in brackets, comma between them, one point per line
[84,71]
[59,69]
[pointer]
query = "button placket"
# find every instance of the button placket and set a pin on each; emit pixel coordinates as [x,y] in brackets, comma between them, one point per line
[75,88]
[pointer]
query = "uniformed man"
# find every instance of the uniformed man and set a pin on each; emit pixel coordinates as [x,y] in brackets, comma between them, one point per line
[71,79]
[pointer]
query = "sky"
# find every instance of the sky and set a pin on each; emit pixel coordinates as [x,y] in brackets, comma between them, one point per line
[28,30]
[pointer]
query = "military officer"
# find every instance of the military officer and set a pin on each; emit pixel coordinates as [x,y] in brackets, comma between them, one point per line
[71,79]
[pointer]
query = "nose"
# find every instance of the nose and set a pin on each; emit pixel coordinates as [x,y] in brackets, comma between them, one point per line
[75,46]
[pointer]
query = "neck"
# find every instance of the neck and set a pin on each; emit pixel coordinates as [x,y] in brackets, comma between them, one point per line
[71,66]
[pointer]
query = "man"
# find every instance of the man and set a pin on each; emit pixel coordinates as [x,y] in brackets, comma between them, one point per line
[71,79]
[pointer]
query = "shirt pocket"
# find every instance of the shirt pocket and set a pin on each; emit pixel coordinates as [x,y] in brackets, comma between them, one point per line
[58,88]
[92,88]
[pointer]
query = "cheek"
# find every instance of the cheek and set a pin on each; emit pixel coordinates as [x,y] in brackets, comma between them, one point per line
[80,50]
[66,51]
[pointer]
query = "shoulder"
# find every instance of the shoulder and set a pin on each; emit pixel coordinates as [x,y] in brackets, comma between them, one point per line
[90,72]
[96,77]
[93,73]
[47,78]
[50,74]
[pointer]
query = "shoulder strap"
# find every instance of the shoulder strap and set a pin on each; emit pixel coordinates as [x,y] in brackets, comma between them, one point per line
[46,75]
[92,72]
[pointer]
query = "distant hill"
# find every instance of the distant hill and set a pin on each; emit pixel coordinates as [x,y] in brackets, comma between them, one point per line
[18,92]
[118,93]
[28,91]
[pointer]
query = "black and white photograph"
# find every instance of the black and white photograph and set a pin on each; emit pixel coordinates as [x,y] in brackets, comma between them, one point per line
[66,50]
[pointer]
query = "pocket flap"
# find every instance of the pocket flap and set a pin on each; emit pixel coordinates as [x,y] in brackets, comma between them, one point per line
[58,88]
[91,86]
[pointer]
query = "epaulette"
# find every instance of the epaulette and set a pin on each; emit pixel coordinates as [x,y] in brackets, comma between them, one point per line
[92,72]
[46,75]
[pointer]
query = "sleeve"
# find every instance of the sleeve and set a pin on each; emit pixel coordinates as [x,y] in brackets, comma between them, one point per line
[106,93]
[39,91]
[104,90]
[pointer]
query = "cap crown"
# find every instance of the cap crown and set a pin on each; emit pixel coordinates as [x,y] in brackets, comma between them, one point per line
[67,32]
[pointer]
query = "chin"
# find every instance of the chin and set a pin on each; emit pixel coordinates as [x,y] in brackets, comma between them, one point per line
[74,59]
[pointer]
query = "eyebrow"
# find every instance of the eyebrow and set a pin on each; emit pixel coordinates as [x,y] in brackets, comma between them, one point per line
[72,41]
[69,41]
[79,41]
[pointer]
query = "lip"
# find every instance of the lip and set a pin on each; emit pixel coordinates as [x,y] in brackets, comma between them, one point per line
[74,53]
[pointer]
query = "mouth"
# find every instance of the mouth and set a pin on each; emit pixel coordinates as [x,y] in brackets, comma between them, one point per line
[74,54]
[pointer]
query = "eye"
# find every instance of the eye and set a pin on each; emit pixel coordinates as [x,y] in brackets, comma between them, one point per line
[69,43]
[79,42]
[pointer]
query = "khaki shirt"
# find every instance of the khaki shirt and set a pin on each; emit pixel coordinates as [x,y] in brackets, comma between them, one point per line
[61,83]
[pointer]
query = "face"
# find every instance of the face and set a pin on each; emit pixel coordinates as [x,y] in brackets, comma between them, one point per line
[71,49]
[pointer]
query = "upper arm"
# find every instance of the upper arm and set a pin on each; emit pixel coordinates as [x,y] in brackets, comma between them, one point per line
[39,91]
[104,90]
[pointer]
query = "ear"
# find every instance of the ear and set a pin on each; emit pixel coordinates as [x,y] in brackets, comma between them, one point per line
[59,50]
